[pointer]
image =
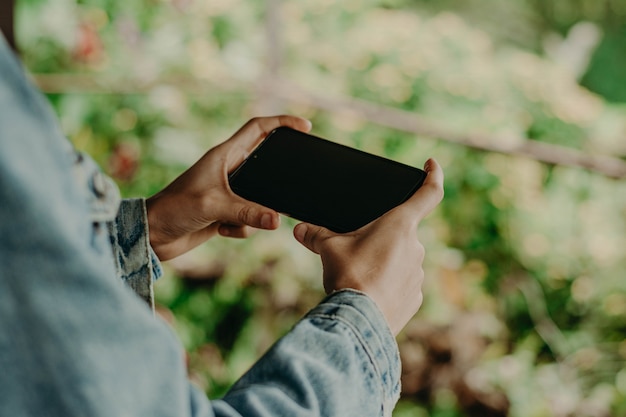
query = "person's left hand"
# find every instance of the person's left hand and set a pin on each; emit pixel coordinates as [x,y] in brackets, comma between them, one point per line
[200,203]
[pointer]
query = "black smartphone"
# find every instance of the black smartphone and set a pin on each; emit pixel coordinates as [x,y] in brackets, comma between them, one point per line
[323,182]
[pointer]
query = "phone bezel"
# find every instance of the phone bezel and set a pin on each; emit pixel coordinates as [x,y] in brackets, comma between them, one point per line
[303,215]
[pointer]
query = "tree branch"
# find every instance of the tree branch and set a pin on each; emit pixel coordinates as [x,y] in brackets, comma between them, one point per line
[410,122]
[403,120]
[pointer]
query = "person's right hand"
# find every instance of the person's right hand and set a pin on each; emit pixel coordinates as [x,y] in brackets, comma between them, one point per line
[383,259]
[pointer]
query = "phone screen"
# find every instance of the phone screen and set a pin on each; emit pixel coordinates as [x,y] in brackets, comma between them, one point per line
[322,182]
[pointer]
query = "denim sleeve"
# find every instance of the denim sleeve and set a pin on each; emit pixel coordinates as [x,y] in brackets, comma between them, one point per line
[135,262]
[340,360]
[76,342]
[126,221]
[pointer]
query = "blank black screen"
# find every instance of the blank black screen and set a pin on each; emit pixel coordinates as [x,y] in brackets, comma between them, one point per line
[322,182]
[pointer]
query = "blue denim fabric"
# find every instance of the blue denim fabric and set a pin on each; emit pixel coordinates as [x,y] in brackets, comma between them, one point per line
[74,341]
[135,261]
[126,225]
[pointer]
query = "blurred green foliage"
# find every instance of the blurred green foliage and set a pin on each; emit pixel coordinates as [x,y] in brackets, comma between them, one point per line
[525,298]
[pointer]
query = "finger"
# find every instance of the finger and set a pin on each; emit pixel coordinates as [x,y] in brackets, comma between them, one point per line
[235,231]
[430,194]
[242,212]
[311,236]
[262,126]
[187,242]
[255,130]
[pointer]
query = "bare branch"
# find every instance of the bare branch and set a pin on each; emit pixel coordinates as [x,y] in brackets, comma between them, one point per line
[290,92]
[410,122]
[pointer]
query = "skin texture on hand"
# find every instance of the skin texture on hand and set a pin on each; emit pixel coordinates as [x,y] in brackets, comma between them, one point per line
[200,204]
[384,258]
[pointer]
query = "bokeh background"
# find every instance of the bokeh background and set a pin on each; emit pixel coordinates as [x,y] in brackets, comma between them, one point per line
[522,102]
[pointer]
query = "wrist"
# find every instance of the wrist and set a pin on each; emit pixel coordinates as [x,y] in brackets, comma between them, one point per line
[155,234]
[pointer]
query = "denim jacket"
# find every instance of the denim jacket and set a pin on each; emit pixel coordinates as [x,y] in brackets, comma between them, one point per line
[75,341]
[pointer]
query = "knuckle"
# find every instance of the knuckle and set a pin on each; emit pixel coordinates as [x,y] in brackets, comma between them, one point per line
[421,276]
[312,236]
[262,125]
[244,214]
[317,238]
[243,232]
[420,253]
[436,190]
[254,120]
[419,299]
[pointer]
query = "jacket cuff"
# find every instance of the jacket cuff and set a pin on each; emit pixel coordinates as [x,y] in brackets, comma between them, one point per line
[136,263]
[361,314]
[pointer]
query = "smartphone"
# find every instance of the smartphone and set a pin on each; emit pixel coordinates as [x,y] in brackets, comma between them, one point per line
[322,182]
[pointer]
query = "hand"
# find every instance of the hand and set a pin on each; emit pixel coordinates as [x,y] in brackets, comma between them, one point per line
[200,203]
[384,258]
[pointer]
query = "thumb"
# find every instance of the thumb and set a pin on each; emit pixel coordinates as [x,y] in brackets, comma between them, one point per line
[430,194]
[311,236]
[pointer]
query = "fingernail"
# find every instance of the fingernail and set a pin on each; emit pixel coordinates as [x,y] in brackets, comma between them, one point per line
[266,221]
[299,232]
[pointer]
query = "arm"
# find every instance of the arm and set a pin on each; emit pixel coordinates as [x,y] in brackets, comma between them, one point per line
[75,342]
[340,360]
